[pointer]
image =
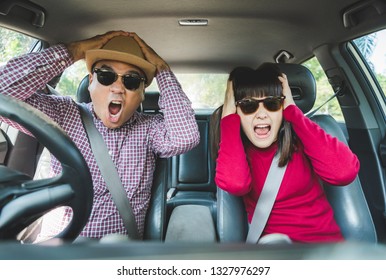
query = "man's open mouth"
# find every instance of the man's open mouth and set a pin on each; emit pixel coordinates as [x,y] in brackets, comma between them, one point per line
[115,107]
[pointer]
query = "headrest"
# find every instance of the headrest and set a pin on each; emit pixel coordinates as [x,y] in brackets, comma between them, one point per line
[149,105]
[82,94]
[302,84]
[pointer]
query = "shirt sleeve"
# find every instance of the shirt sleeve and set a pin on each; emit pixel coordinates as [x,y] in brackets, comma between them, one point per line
[22,76]
[232,169]
[177,132]
[331,159]
[26,76]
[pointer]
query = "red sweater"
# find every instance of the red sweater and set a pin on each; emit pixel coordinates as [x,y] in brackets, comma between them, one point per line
[301,209]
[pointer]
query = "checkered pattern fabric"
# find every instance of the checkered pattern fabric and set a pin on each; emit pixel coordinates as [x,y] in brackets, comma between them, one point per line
[132,147]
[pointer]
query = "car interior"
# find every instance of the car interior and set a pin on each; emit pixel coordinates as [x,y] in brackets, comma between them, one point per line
[189,216]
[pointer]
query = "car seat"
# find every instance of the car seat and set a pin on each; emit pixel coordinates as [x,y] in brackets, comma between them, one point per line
[348,202]
[191,200]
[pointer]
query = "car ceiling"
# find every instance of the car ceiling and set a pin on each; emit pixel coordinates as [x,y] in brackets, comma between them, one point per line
[245,32]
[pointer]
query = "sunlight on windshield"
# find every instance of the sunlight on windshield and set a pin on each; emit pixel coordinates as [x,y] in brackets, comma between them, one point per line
[206,90]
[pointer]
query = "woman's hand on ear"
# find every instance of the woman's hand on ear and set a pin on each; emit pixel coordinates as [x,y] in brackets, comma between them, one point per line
[229,102]
[286,91]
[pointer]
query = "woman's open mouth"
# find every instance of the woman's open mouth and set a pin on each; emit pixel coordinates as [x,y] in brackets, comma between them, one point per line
[262,130]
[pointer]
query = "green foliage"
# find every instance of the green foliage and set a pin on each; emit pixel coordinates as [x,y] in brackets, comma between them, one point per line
[324,91]
[366,45]
[382,82]
[13,44]
[204,90]
[71,78]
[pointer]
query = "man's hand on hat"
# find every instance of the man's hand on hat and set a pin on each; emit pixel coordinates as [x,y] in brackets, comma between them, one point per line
[78,49]
[150,54]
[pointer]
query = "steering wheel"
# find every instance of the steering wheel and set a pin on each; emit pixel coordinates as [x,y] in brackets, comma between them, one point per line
[22,199]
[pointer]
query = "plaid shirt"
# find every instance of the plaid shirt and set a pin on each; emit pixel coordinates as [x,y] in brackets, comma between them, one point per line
[132,147]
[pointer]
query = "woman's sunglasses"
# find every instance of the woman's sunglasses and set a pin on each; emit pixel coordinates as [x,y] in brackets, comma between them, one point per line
[107,77]
[250,105]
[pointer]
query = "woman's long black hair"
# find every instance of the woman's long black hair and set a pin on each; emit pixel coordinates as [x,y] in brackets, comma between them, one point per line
[261,82]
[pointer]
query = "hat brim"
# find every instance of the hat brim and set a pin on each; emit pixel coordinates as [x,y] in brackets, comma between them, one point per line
[93,56]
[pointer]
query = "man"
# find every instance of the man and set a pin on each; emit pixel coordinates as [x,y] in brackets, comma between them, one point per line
[120,66]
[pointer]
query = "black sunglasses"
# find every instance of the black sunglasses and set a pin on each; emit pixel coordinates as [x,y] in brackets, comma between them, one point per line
[250,105]
[107,76]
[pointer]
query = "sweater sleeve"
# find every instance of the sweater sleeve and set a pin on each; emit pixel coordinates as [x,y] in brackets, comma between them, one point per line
[232,169]
[331,159]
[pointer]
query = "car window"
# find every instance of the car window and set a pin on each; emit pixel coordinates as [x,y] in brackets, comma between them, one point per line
[324,91]
[205,90]
[13,44]
[372,48]
[71,77]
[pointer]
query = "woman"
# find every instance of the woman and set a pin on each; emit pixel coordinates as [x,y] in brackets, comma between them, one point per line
[259,119]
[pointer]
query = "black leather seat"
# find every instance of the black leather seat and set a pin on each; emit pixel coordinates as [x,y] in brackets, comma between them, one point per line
[192,189]
[349,203]
[82,94]
[183,181]
[6,146]
[192,173]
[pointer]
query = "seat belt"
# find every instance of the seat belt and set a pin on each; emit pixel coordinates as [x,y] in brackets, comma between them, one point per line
[338,92]
[266,200]
[109,173]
